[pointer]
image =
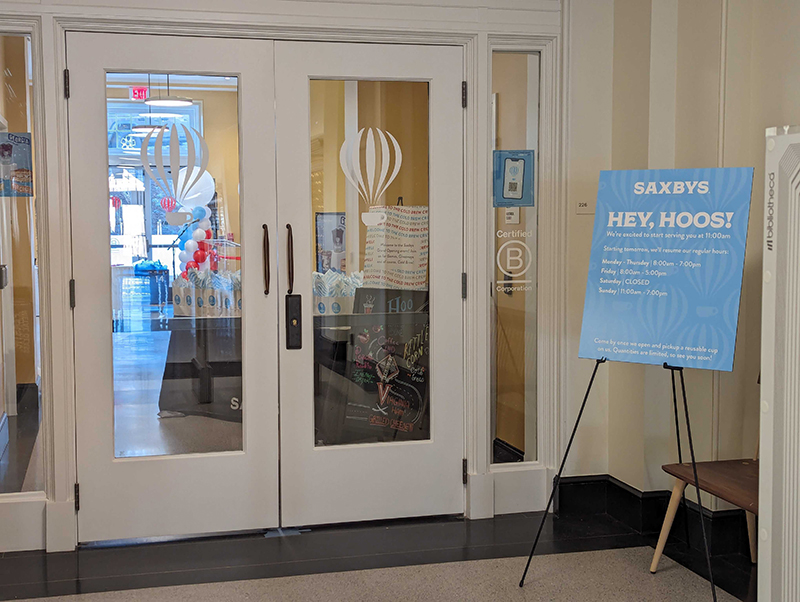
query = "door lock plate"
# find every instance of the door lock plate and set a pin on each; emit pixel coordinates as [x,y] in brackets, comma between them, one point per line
[3,276]
[294,322]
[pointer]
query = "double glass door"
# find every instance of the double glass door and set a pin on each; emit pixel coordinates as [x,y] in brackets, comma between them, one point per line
[257,230]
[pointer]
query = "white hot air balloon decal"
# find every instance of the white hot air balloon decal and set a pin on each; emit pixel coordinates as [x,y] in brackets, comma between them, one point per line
[180,182]
[369,179]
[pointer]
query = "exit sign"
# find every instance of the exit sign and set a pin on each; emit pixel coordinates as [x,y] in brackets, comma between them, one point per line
[139,92]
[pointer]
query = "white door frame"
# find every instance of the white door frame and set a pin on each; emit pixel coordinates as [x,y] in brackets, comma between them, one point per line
[540,31]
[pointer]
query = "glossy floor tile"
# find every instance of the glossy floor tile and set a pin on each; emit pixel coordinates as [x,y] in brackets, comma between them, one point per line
[608,575]
[316,550]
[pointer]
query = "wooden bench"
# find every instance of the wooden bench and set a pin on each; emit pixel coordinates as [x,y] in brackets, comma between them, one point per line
[735,481]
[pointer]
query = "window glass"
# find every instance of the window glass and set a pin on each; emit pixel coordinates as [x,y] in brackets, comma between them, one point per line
[21,457]
[369,196]
[515,111]
[173,185]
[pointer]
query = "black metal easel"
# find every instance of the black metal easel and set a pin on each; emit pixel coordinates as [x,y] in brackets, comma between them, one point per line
[561,468]
[679,370]
[557,479]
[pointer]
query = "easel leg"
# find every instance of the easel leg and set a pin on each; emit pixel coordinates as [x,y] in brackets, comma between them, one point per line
[680,451]
[672,510]
[697,488]
[557,480]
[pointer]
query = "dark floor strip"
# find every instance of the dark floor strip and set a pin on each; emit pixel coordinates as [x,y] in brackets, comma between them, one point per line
[320,550]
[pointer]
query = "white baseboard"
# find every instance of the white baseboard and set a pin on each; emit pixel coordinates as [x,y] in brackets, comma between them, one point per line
[520,488]
[22,521]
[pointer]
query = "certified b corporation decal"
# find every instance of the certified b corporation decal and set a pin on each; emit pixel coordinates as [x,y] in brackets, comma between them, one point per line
[514,259]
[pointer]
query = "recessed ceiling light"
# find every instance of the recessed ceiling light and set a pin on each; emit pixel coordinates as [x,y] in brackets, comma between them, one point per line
[145,129]
[160,115]
[169,101]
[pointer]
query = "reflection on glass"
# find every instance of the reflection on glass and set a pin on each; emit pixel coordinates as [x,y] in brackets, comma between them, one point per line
[515,100]
[21,457]
[173,181]
[369,182]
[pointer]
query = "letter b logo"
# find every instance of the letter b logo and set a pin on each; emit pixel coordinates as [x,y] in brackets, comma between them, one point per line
[514,258]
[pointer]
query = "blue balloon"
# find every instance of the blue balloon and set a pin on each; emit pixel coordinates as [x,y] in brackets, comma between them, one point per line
[181,244]
[199,212]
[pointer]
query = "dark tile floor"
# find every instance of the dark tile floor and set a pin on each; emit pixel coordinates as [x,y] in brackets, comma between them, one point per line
[22,431]
[318,550]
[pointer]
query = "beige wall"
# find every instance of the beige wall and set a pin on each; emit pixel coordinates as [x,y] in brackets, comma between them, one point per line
[659,84]
[591,31]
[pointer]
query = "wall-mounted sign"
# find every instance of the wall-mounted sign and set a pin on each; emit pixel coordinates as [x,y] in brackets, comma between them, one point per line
[16,165]
[330,231]
[139,92]
[513,178]
[665,272]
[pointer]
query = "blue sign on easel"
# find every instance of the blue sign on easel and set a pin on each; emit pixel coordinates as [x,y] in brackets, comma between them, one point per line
[513,178]
[665,272]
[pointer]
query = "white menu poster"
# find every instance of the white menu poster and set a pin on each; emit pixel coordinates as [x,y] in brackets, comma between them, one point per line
[396,251]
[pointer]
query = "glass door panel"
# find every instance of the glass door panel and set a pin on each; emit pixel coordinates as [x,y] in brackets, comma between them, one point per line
[369,197]
[175,263]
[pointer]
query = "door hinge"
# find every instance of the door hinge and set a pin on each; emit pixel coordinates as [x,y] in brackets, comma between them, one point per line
[463,285]
[72,293]
[66,83]
[464,471]
[464,95]
[77,497]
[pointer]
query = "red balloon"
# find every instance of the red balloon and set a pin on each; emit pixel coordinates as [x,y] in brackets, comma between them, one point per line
[209,234]
[185,275]
[203,246]
[213,253]
[168,204]
[213,263]
[191,264]
[199,256]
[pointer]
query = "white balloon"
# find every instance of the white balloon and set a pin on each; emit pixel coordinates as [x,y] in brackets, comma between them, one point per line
[199,234]
[184,256]
[198,195]
[205,224]
[208,211]
[190,246]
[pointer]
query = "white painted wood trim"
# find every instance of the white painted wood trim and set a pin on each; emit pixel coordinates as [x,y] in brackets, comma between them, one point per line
[22,521]
[534,29]
[552,207]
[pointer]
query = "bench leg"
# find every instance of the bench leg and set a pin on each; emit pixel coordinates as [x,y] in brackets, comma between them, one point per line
[672,510]
[751,535]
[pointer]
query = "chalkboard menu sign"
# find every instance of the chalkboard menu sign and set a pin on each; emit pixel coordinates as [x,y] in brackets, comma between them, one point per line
[373,377]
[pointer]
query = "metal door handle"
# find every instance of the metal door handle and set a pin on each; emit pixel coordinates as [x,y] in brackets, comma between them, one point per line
[3,276]
[266,259]
[290,257]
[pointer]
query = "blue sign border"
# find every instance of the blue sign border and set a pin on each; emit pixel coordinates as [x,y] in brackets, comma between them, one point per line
[665,272]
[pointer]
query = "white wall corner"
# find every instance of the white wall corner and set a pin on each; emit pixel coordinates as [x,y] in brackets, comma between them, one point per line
[61,527]
[480,496]
[520,490]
